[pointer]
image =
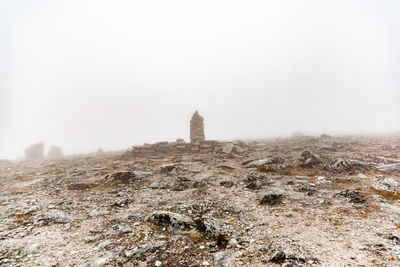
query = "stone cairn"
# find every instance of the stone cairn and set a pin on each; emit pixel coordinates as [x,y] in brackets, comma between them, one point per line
[55,152]
[197,144]
[35,152]
[196,128]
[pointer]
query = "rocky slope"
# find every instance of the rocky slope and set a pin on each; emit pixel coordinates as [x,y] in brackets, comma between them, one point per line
[293,202]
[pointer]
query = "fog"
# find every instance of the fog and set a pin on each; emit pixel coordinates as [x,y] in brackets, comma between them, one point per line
[112,74]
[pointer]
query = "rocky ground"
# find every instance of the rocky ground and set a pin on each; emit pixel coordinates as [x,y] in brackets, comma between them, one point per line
[302,201]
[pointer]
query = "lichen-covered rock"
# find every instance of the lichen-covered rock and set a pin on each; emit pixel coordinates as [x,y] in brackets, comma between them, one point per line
[271,197]
[173,221]
[260,162]
[209,226]
[393,167]
[124,177]
[347,165]
[145,248]
[167,168]
[308,160]
[54,216]
[353,196]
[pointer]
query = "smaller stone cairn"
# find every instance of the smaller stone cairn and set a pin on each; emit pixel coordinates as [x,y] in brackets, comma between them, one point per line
[35,152]
[55,152]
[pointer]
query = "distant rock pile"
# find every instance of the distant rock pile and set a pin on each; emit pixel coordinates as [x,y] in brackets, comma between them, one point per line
[35,152]
[55,152]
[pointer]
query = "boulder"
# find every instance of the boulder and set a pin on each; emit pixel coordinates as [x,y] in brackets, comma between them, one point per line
[308,160]
[348,165]
[353,196]
[145,248]
[173,221]
[210,226]
[271,197]
[124,177]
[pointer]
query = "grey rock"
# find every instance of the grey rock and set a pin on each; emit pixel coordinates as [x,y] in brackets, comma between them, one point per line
[387,184]
[210,226]
[227,184]
[54,216]
[278,257]
[124,177]
[227,148]
[393,167]
[146,248]
[103,244]
[95,213]
[120,229]
[271,197]
[308,160]
[353,196]
[220,258]
[260,162]
[342,165]
[167,168]
[173,221]
[142,174]
[154,185]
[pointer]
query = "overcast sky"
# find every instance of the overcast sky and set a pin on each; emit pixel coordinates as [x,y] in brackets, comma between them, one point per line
[111,74]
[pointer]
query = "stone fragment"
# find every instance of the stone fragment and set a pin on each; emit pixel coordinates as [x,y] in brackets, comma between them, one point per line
[173,221]
[146,248]
[120,229]
[154,185]
[54,216]
[254,185]
[260,162]
[209,226]
[393,167]
[387,184]
[308,160]
[278,257]
[227,148]
[35,152]
[220,258]
[227,184]
[124,177]
[142,174]
[96,213]
[167,168]
[347,165]
[353,196]
[271,198]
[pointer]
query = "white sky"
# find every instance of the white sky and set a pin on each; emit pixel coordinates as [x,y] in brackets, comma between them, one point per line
[111,74]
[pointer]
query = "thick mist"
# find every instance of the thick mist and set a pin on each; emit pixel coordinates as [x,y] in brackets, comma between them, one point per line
[111,74]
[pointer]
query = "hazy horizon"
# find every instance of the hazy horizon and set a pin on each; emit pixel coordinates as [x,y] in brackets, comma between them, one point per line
[99,74]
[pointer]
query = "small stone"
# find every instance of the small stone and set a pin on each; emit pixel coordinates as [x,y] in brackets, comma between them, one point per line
[154,185]
[158,263]
[279,257]
[173,221]
[271,198]
[206,263]
[209,226]
[232,242]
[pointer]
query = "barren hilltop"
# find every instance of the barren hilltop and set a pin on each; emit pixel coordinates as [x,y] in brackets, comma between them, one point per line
[302,201]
